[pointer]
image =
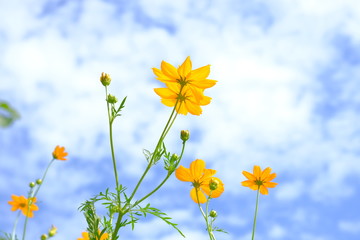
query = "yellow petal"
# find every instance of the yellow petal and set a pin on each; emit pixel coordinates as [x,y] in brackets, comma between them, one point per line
[197,168]
[264,190]
[165,93]
[169,70]
[194,109]
[200,73]
[203,84]
[257,171]
[249,176]
[248,183]
[162,77]
[270,177]
[183,174]
[168,102]
[199,196]
[270,184]
[215,193]
[185,68]
[265,173]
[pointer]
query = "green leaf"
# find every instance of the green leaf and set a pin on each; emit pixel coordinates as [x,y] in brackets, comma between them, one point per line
[7,114]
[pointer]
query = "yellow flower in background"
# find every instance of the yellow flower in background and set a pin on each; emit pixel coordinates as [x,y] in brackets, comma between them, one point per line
[22,203]
[185,85]
[201,179]
[59,153]
[259,180]
[85,236]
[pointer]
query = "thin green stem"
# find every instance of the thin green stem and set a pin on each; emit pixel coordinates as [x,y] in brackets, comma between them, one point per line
[165,179]
[256,210]
[111,118]
[15,225]
[206,216]
[42,179]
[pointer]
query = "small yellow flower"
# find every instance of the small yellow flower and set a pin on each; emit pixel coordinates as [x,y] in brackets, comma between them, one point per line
[59,153]
[201,179]
[259,180]
[85,236]
[22,203]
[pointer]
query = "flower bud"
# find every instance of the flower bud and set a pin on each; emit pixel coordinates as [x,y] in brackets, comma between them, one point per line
[213,184]
[38,181]
[44,237]
[213,214]
[105,79]
[111,99]
[32,184]
[184,135]
[52,231]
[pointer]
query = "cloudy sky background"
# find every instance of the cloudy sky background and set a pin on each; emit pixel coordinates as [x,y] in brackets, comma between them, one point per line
[288,97]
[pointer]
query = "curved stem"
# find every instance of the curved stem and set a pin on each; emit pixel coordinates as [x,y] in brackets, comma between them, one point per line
[256,210]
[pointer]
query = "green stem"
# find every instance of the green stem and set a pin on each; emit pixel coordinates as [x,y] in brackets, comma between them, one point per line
[256,210]
[32,195]
[111,118]
[165,179]
[205,216]
[161,139]
[15,225]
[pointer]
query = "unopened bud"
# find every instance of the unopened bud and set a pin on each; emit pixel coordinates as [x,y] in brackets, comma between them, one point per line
[213,184]
[184,135]
[111,99]
[39,181]
[44,237]
[105,79]
[213,214]
[52,231]
[32,184]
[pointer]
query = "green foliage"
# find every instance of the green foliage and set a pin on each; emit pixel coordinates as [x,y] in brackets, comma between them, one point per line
[7,114]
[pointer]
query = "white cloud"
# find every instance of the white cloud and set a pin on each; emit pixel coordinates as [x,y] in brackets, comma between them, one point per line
[350,226]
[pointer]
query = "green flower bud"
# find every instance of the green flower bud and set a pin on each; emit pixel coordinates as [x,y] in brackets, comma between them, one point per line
[52,231]
[38,181]
[111,99]
[32,184]
[213,214]
[184,135]
[213,184]
[105,79]
[44,237]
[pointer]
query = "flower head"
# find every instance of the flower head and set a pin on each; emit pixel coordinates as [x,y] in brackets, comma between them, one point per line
[184,85]
[201,179]
[85,236]
[59,153]
[27,206]
[259,180]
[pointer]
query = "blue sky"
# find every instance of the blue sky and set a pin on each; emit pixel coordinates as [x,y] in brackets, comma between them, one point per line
[287,97]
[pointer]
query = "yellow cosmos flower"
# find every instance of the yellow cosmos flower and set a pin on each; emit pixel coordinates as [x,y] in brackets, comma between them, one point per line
[259,180]
[184,83]
[85,236]
[59,153]
[187,102]
[22,203]
[201,179]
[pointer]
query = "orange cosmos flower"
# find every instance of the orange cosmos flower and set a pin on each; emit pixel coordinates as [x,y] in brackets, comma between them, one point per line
[189,84]
[59,153]
[85,236]
[202,179]
[22,203]
[259,180]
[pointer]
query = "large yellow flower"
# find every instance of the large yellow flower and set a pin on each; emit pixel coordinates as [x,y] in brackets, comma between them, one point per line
[183,82]
[59,153]
[186,101]
[201,179]
[85,236]
[27,206]
[259,180]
